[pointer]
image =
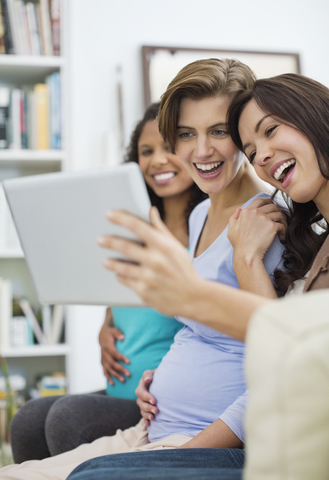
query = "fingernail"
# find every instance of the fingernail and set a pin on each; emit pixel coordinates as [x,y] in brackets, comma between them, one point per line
[107,262]
[150,417]
[153,411]
[109,214]
[100,240]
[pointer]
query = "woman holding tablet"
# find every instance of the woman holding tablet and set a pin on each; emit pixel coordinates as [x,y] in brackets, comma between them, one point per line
[132,339]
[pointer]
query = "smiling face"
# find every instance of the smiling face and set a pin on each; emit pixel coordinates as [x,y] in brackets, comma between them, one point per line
[282,156]
[204,145]
[162,170]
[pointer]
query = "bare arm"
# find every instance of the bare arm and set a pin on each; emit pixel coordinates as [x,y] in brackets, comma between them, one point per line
[217,435]
[165,279]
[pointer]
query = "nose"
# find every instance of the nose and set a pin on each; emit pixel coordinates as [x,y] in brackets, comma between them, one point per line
[160,158]
[203,149]
[263,155]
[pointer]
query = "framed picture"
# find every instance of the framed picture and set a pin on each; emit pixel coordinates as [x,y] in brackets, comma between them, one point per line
[161,64]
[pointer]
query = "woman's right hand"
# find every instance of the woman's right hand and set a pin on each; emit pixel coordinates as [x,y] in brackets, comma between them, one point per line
[110,356]
[146,401]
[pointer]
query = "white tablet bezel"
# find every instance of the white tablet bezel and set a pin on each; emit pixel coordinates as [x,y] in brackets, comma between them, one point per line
[58,217]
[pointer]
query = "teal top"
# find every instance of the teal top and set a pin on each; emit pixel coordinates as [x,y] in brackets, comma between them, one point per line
[148,336]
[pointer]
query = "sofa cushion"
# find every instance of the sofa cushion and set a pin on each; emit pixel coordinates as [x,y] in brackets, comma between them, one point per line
[287,368]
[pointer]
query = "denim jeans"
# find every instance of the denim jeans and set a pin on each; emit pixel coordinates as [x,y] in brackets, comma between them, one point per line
[176,464]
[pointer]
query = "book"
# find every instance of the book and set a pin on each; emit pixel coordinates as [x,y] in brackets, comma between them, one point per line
[33,29]
[9,44]
[42,115]
[6,299]
[57,323]
[21,333]
[2,33]
[4,116]
[55,18]
[24,28]
[53,82]
[46,27]
[15,119]
[29,314]
[14,27]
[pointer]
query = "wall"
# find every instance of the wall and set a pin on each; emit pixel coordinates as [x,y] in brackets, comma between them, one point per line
[105,33]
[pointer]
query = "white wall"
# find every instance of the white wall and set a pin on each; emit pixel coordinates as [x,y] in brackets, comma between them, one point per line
[105,33]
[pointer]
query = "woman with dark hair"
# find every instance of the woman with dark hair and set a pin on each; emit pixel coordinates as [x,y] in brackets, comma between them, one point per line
[138,336]
[289,103]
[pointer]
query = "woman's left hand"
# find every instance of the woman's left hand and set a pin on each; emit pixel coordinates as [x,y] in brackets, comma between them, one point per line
[252,229]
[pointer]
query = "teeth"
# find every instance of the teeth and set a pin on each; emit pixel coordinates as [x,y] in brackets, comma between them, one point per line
[160,177]
[209,166]
[280,170]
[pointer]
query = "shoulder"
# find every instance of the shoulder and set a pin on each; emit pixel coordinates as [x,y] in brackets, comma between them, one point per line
[259,195]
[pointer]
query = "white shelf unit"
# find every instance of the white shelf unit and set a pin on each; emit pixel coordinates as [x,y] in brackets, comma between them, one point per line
[17,70]
[36,351]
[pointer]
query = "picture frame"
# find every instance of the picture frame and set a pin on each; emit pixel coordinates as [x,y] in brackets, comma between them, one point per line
[161,64]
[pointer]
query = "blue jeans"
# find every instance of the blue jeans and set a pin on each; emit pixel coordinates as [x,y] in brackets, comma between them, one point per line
[176,464]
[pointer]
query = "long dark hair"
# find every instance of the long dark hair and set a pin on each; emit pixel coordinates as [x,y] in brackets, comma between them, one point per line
[304,104]
[197,195]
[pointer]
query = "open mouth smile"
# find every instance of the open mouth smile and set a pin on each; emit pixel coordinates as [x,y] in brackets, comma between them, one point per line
[282,171]
[163,177]
[208,168]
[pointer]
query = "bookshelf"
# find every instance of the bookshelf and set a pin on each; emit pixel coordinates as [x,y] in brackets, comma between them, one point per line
[25,71]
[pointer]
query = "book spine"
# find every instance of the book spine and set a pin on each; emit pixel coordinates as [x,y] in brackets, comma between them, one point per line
[55,17]
[10,50]
[15,119]
[33,28]
[8,33]
[2,32]
[14,26]
[42,114]
[4,117]
[46,27]
[28,312]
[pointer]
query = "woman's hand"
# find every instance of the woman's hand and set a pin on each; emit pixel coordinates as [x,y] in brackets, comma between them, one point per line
[252,229]
[145,400]
[162,273]
[251,232]
[110,356]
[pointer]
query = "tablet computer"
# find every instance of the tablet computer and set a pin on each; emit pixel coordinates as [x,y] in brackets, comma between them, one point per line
[58,217]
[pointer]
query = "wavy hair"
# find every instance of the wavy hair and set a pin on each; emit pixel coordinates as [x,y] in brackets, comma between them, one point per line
[303,103]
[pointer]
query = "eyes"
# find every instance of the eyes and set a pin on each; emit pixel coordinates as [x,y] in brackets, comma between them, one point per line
[149,151]
[215,133]
[267,134]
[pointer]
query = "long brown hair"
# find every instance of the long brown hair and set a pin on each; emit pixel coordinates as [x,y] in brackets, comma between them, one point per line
[304,104]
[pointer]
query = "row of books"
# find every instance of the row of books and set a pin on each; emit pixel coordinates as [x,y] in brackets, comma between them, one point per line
[30,27]
[9,241]
[20,326]
[30,116]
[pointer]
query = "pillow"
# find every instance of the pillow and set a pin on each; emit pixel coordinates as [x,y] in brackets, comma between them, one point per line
[287,368]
